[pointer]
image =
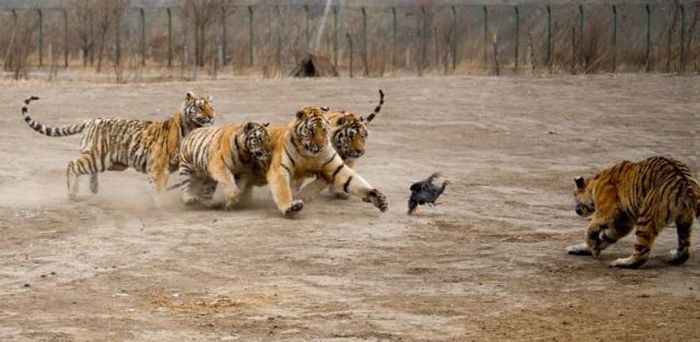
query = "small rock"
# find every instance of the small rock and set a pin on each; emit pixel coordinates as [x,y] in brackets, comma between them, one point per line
[43,275]
[53,273]
[27,285]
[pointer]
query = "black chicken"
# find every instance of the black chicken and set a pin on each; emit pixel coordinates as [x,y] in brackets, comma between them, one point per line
[425,192]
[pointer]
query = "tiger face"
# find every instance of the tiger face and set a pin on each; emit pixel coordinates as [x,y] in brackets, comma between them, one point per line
[349,135]
[198,110]
[257,140]
[311,128]
[583,195]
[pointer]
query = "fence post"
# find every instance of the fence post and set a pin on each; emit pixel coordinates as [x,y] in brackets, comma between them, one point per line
[424,41]
[117,39]
[486,34]
[671,30]
[682,56]
[350,47]
[395,40]
[143,37]
[614,37]
[9,53]
[251,52]
[279,37]
[517,36]
[65,37]
[581,17]
[224,38]
[170,38]
[307,34]
[454,38]
[364,41]
[573,49]
[648,52]
[549,38]
[335,36]
[495,54]
[40,48]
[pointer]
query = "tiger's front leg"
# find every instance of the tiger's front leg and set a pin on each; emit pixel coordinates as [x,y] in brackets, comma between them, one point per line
[312,189]
[601,236]
[278,178]
[345,178]
[227,181]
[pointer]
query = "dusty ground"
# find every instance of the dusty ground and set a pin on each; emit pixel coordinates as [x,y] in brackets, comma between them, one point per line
[487,265]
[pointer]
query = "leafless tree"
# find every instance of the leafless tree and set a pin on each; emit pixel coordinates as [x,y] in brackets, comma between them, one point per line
[201,15]
[83,26]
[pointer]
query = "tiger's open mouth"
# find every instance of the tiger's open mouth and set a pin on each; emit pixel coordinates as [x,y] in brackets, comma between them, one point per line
[355,154]
[203,120]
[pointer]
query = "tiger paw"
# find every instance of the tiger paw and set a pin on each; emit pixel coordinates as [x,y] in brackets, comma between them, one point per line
[679,257]
[378,199]
[580,249]
[231,202]
[294,207]
[188,199]
[339,195]
[629,262]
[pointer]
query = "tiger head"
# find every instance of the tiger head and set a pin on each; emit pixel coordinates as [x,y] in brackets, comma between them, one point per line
[349,135]
[257,140]
[583,195]
[198,111]
[311,128]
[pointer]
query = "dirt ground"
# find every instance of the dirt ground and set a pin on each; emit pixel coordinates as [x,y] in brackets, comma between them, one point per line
[488,264]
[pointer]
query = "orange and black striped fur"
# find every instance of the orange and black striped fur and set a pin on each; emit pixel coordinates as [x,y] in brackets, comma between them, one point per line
[235,156]
[302,149]
[348,135]
[645,196]
[118,143]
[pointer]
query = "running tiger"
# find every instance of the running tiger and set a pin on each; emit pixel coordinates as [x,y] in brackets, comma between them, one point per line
[236,156]
[302,149]
[118,143]
[348,134]
[645,196]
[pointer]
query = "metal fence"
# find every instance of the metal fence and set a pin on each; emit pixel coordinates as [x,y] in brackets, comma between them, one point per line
[113,37]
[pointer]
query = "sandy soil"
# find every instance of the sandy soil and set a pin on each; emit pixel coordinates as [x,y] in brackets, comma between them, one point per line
[488,264]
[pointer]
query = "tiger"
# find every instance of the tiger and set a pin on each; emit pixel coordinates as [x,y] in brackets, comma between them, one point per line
[234,156]
[116,144]
[645,196]
[348,135]
[302,149]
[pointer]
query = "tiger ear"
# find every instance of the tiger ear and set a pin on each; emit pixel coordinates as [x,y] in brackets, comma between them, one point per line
[300,114]
[580,182]
[325,108]
[341,121]
[189,97]
[248,127]
[266,124]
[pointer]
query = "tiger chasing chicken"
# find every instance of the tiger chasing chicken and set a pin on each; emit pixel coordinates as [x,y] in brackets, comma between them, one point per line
[425,192]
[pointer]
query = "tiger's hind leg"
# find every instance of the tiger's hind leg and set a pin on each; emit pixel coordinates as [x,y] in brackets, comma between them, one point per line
[684,228]
[206,193]
[83,165]
[646,234]
[94,183]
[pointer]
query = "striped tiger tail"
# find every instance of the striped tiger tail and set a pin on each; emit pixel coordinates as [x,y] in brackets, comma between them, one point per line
[46,130]
[378,108]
